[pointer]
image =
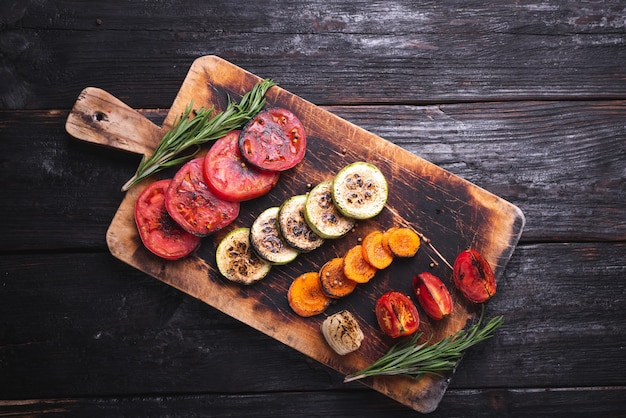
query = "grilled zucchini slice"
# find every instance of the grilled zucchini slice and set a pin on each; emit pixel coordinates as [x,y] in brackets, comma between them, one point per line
[237,261]
[267,240]
[360,190]
[322,215]
[294,228]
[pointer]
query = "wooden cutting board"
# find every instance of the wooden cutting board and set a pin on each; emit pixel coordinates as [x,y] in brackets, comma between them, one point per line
[452,212]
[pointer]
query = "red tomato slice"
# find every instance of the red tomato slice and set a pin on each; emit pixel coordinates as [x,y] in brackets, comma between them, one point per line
[432,294]
[193,206]
[473,276]
[158,231]
[396,314]
[229,176]
[273,140]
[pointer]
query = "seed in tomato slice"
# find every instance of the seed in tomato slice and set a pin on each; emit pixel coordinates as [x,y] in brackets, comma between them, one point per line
[273,140]
[190,202]
[432,295]
[473,276]
[396,314]
[159,233]
[230,177]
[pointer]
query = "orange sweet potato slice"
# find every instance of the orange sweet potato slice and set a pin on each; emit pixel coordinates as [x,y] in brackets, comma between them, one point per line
[386,235]
[375,252]
[334,282]
[306,296]
[402,242]
[355,267]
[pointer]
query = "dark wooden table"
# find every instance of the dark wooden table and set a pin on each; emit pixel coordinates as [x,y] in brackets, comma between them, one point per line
[525,99]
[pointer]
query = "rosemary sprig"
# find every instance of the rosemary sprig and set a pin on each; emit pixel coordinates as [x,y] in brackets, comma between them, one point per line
[189,133]
[417,360]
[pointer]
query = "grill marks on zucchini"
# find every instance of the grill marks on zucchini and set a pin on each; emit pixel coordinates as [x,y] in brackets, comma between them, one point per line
[294,228]
[360,190]
[237,261]
[302,223]
[323,216]
[267,240]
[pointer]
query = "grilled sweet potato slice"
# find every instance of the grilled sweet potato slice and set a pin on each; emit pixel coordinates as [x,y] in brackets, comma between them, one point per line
[402,242]
[375,251]
[306,296]
[355,267]
[334,282]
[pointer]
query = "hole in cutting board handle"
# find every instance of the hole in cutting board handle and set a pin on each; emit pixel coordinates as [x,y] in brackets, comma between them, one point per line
[100,116]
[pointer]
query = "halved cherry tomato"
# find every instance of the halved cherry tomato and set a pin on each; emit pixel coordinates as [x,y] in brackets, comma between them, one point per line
[193,206]
[473,276]
[432,295]
[157,230]
[396,314]
[230,177]
[273,140]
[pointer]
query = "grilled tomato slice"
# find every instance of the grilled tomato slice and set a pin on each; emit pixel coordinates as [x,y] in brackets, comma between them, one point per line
[157,230]
[190,202]
[230,177]
[473,276]
[432,294]
[396,314]
[273,140]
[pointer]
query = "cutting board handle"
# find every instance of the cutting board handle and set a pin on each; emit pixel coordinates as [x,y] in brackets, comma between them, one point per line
[101,118]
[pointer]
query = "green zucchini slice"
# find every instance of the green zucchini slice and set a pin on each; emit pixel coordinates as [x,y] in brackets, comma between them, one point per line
[294,228]
[267,240]
[322,215]
[360,190]
[237,261]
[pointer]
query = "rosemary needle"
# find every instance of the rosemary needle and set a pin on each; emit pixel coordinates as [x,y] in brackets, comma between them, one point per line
[192,132]
[417,360]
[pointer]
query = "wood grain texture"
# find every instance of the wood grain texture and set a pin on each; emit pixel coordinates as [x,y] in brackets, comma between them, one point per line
[542,156]
[422,195]
[524,98]
[425,52]
[100,118]
[512,149]
[146,337]
[482,403]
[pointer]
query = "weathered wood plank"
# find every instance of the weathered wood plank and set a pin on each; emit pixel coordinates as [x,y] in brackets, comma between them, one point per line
[56,183]
[565,171]
[83,334]
[425,52]
[359,16]
[575,402]
[101,328]
[562,163]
